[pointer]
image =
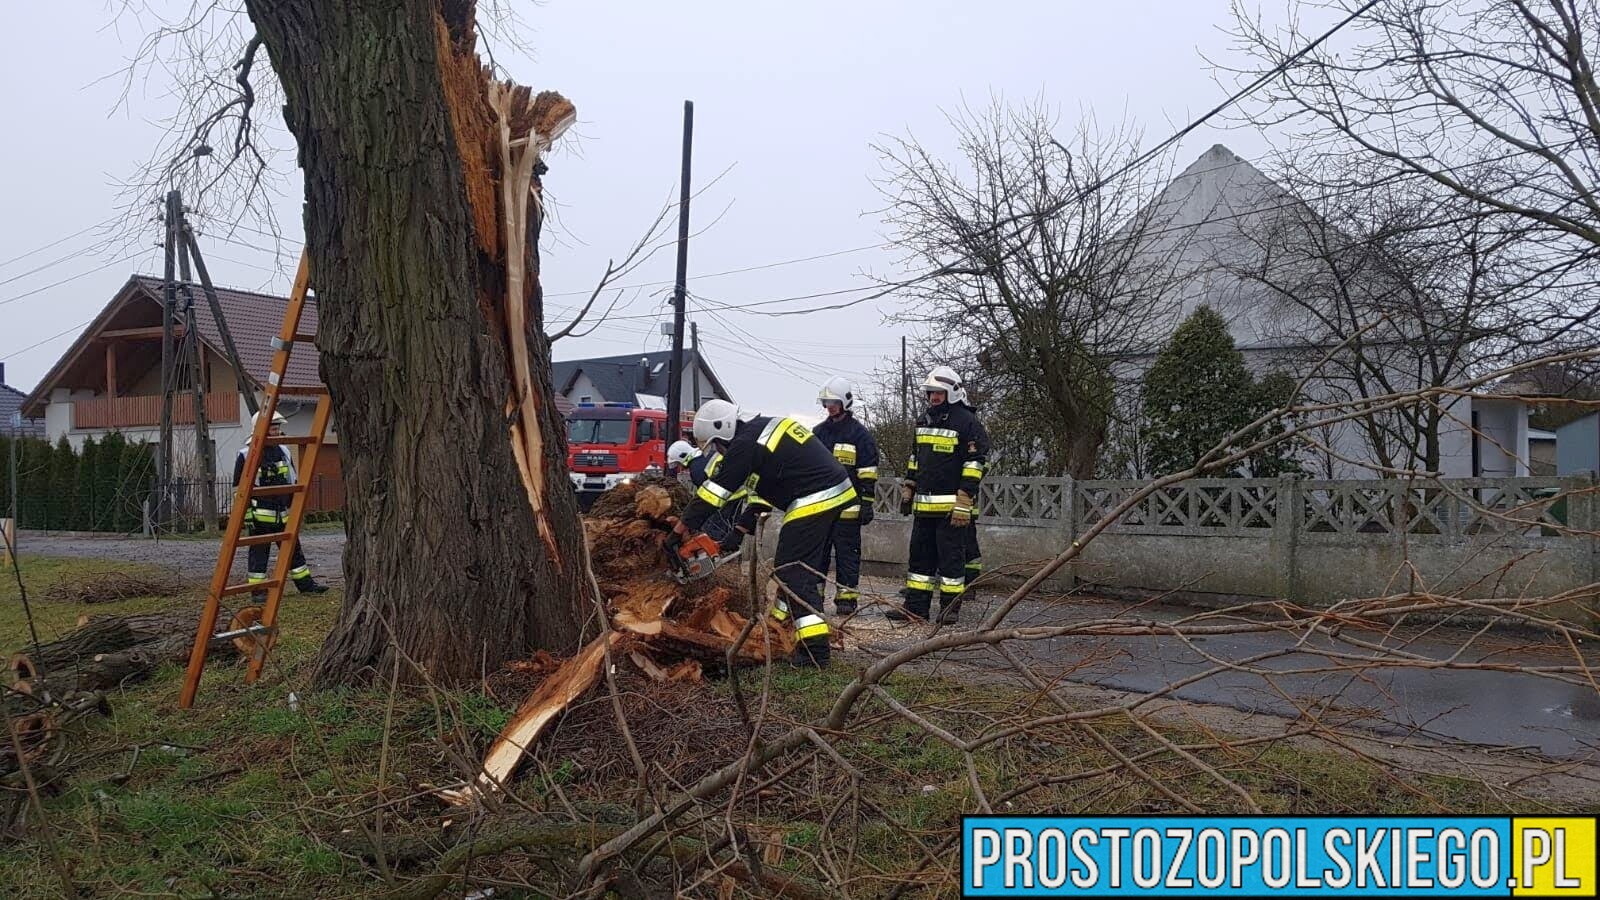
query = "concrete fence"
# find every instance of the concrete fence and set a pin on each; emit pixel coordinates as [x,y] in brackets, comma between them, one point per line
[1304,539]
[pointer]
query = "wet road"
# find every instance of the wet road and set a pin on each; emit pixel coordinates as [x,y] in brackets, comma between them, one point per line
[1493,708]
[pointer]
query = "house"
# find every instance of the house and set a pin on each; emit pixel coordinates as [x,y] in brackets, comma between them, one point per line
[110,380]
[12,422]
[1221,228]
[639,379]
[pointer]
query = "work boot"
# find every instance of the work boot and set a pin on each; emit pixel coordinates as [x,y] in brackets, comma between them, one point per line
[810,654]
[845,607]
[309,585]
[949,613]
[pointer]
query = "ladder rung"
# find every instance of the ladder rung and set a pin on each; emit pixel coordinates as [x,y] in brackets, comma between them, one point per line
[277,490]
[250,540]
[249,587]
[241,632]
[305,338]
[301,439]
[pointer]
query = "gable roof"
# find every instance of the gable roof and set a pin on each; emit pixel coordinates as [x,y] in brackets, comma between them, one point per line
[617,378]
[253,319]
[11,401]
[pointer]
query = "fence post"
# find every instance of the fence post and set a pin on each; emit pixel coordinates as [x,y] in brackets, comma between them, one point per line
[1578,491]
[1286,536]
[1068,523]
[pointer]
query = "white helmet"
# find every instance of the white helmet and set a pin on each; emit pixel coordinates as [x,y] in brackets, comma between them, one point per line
[944,378]
[680,453]
[715,420]
[837,390]
[959,395]
[277,419]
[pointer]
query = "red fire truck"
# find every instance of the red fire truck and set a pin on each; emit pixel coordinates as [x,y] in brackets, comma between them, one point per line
[609,443]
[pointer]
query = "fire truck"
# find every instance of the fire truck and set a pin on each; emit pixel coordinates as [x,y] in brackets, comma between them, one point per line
[610,443]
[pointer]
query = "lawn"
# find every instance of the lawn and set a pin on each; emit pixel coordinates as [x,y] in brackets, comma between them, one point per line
[276,791]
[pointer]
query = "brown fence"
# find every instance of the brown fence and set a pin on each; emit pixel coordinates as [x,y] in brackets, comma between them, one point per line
[129,412]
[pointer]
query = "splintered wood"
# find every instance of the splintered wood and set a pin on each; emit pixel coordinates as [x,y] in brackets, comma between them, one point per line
[669,632]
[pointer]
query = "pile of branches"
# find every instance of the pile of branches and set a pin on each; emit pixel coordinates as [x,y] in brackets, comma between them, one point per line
[109,587]
[665,631]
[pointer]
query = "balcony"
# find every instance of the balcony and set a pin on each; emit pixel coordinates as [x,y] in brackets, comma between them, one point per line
[222,407]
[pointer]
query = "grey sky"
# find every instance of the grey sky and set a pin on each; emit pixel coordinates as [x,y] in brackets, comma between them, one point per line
[790,98]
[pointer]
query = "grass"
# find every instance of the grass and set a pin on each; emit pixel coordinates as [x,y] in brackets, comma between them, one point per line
[250,794]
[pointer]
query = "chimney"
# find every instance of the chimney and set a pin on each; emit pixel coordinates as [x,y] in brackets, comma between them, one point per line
[2,373]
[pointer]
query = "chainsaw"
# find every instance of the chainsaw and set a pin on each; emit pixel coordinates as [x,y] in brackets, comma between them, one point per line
[696,557]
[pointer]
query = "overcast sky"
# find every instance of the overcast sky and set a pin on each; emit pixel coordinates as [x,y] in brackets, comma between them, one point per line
[788,102]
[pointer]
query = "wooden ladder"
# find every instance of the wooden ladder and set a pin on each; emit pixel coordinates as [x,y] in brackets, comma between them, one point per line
[264,629]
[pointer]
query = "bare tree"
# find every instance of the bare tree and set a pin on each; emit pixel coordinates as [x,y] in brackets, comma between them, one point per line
[1415,285]
[1039,310]
[1493,100]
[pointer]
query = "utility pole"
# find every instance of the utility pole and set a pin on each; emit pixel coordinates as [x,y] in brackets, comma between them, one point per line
[168,362]
[681,288]
[905,383]
[207,463]
[694,347]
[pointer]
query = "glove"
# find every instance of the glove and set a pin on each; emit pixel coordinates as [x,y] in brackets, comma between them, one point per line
[866,513]
[907,491]
[961,515]
[731,541]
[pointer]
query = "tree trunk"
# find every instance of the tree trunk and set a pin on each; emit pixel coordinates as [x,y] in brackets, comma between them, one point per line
[446,555]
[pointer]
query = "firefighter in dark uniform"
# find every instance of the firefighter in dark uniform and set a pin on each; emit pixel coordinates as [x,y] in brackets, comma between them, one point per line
[855,449]
[974,568]
[680,458]
[269,515]
[939,491]
[738,516]
[795,473]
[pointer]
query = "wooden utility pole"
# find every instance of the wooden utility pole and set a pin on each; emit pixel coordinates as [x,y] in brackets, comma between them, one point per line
[207,463]
[168,361]
[694,347]
[681,288]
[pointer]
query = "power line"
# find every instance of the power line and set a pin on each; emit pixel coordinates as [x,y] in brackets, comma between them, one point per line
[47,340]
[55,243]
[119,260]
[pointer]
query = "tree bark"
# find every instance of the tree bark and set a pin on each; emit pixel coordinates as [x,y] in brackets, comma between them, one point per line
[445,559]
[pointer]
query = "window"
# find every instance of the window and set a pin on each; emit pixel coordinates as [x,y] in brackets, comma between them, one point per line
[647,430]
[597,431]
[586,398]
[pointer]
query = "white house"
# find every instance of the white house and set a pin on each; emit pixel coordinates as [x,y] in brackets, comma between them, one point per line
[640,379]
[1207,224]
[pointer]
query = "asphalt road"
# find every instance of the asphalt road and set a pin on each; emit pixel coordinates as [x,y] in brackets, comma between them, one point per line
[1491,708]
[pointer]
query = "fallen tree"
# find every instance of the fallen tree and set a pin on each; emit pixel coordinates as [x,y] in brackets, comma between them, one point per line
[108,651]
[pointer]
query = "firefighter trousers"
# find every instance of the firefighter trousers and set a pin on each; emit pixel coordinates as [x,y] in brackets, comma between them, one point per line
[974,553]
[845,550]
[259,554]
[938,561]
[802,554]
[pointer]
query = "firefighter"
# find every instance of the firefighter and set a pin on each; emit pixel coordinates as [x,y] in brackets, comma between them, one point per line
[795,473]
[269,515]
[974,553]
[855,449]
[738,516]
[679,457]
[939,489]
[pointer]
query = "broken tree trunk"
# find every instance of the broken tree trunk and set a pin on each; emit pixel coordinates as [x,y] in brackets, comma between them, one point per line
[464,547]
